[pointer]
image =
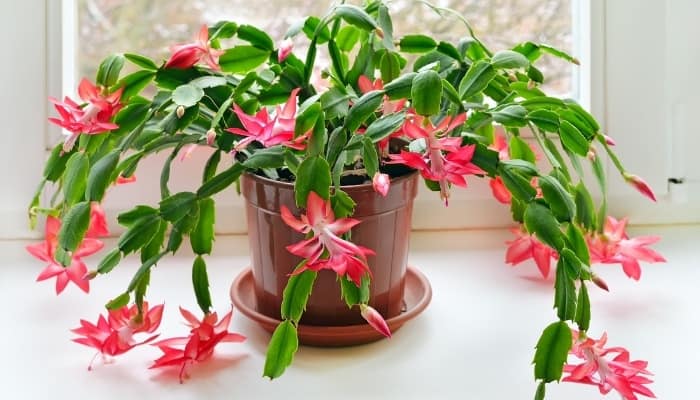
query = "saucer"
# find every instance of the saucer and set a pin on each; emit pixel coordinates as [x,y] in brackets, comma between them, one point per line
[417,295]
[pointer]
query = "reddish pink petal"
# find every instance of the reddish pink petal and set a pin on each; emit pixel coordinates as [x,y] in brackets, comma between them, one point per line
[518,251]
[499,191]
[631,268]
[543,257]
[364,84]
[87,91]
[290,220]
[39,251]
[88,247]
[76,273]
[50,271]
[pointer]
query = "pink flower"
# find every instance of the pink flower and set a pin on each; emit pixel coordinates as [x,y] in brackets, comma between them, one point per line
[608,369]
[270,131]
[499,190]
[285,49]
[98,222]
[433,164]
[114,335]
[187,55]
[527,246]
[199,345]
[613,246]
[92,119]
[381,183]
[345,258]
[75,272]
[639,184]
[375,320]
[388,107]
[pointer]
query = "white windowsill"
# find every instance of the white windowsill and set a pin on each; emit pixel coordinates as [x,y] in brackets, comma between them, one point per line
[475,340]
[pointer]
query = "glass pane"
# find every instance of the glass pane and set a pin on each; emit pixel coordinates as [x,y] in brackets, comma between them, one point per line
[150,26]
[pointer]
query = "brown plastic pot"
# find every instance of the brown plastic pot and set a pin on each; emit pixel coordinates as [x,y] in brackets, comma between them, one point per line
[385,227]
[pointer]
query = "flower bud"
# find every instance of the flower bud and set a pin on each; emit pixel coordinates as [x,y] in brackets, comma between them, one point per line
[600,282]
[381,183]
[610,141]
[180,111]
[375,320]
[90,275]
[211,137]
[591,155]
[285,49]
[531,84]
[639,184]
[379,32]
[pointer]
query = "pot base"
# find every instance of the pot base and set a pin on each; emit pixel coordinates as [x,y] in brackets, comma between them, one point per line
[417,295]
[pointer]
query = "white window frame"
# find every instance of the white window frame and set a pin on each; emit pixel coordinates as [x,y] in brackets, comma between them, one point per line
[614,62]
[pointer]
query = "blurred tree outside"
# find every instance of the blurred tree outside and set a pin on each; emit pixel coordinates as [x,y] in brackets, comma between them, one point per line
[149,27]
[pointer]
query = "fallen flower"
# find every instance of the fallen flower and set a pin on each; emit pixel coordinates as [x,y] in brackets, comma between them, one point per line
[114,335]
[199,345]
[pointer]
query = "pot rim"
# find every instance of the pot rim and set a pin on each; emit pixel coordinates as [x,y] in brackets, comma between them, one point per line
[355,188]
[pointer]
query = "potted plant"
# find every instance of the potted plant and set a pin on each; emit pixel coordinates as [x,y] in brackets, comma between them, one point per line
[319,154]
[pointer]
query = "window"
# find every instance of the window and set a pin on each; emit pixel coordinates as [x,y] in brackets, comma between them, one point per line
[641,95]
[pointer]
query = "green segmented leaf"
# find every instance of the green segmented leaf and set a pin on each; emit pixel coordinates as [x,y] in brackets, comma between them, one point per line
[426,93]
[281,349]
[296,294]
[417,44]
[200,282]
[552,351]
[108,71]
[583,309]
[540,221]
[564,293]
[573,139]
[508,59]
[477,78]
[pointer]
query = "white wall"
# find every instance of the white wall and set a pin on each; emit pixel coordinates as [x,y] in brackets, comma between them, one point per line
[23,104]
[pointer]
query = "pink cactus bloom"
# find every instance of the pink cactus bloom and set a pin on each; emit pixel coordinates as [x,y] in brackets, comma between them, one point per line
[613,246]
[94,118]
[199,346]
[344,257]
[640,184]
[269,131]
[381,183]
[375,320]
[527,246]
[388,107]
[608,368]
[76,272]
[433,164]
[114,335]
[285,49]
[187,55]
